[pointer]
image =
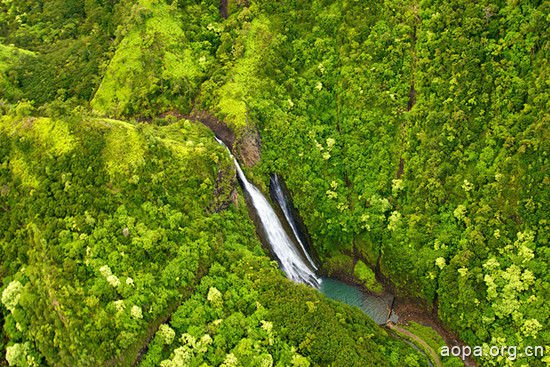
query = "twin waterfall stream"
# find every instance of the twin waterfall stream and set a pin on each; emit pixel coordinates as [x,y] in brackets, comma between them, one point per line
[288,247]
[297,265]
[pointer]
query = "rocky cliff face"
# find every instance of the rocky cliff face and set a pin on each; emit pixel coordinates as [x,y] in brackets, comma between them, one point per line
[248,147]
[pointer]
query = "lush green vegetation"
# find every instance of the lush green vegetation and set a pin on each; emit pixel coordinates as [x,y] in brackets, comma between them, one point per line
[416,138]
[244,314]
[104,229]
[108,226]
[413,137]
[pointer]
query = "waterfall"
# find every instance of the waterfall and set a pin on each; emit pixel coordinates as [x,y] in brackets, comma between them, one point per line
[295,266]
[283,203]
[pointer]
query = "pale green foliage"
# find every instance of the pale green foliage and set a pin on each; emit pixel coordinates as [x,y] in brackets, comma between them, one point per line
[265,360]
[19,355]
[15,355]
[204,342]
[440,262]
[525,240]
[112,279]
[397,186]
[188,340]
[365,218]
[119,305]
[463,271]
[332,194]
[531,327]
[491,264]
[230,361]
[393,220]
[267,325]
[215,297]
[300,361]
[467,186]
[190,347]
[166,333]
[460,212]
[105,270]
[180,358]
[11,294]
[367,277]
[504,288]
[136,312]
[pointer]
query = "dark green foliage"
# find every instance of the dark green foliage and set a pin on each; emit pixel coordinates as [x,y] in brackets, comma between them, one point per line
[70,40]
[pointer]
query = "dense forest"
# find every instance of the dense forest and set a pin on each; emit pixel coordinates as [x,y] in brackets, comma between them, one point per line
[412,136]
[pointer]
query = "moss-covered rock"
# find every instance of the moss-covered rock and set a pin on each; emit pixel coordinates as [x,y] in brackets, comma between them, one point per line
[367,277]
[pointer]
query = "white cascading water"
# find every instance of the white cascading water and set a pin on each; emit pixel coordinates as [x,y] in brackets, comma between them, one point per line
[283,203]
[291,260]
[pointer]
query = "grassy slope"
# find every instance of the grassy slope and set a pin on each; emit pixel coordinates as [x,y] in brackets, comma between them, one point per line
[10,56]
[162,56]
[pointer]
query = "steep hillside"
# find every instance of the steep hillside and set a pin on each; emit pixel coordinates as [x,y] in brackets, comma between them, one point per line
[108,227]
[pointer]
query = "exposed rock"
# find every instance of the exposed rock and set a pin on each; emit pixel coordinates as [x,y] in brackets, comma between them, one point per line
[222,131]
[401,167]
[412,98]
[225,193]
[248,147]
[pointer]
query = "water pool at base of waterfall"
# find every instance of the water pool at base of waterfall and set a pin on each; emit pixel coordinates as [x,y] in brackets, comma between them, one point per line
[377,307]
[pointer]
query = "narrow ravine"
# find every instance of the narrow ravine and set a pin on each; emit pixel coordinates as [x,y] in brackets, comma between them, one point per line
[291,253]
[289,249]
[295,265]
